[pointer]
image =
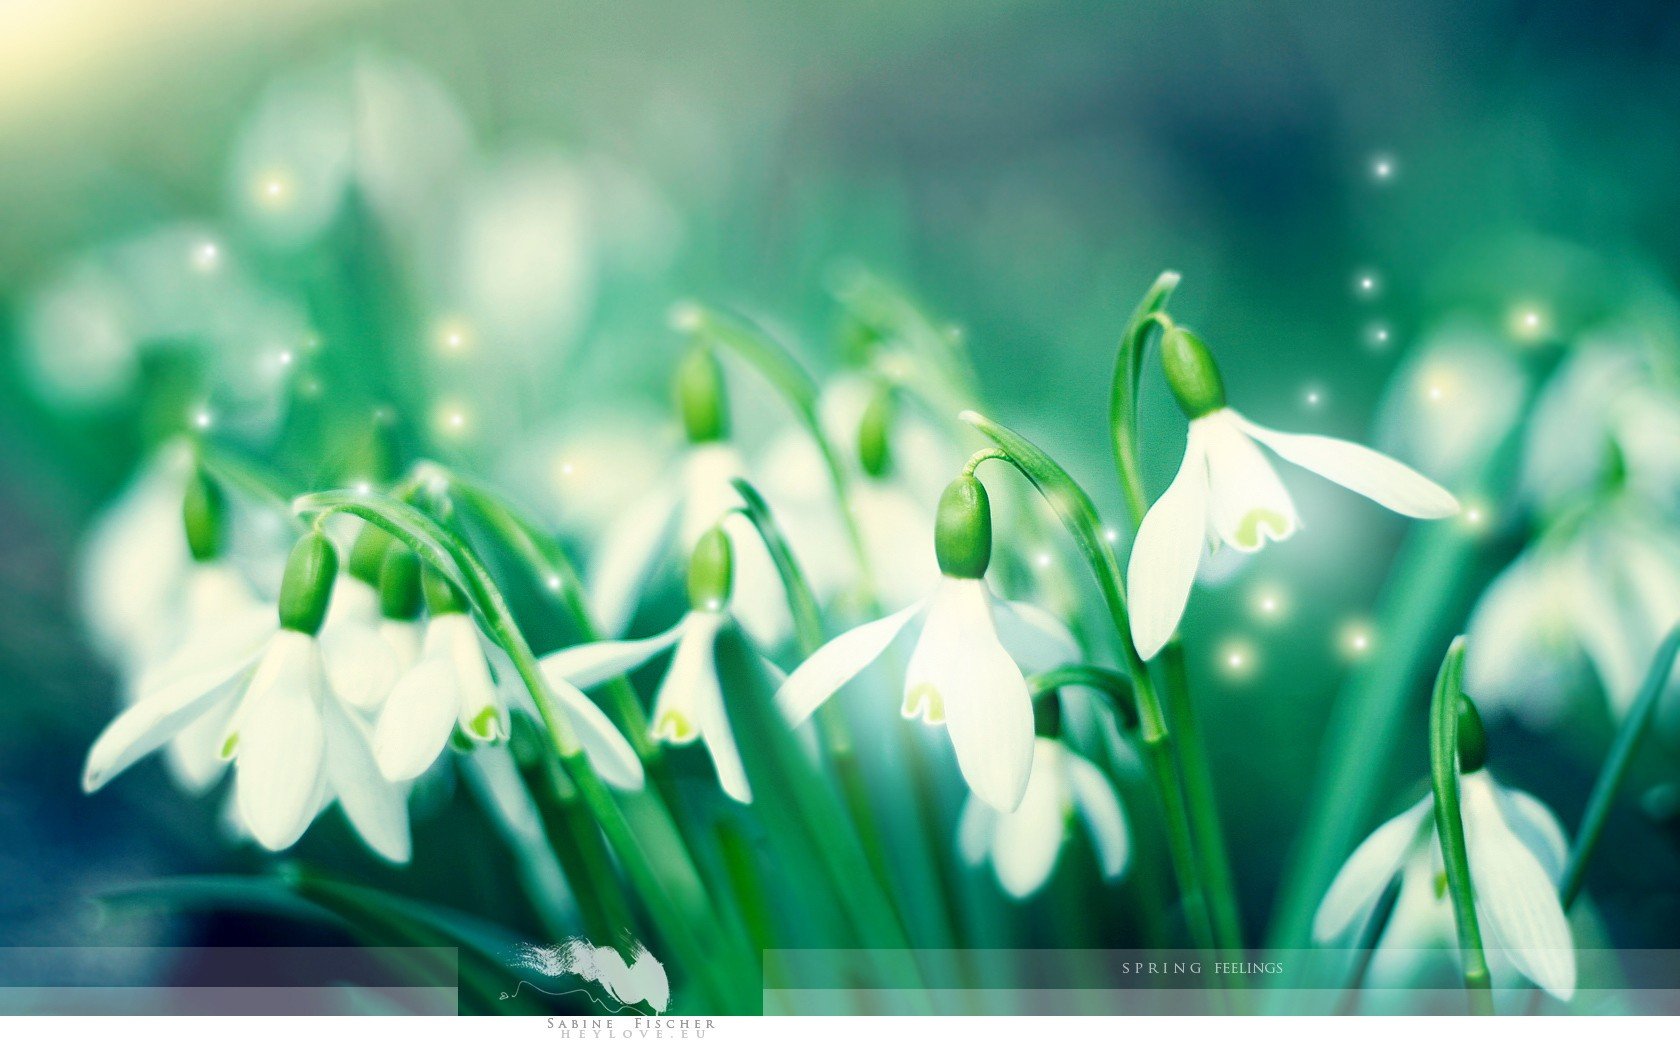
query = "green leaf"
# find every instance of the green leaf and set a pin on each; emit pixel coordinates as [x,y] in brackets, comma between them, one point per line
[1449,823]
[807,618]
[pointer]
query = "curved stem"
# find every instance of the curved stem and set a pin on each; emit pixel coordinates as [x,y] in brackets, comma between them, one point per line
[1112,684]
[1449,824]
[1147,318]
[1079,516]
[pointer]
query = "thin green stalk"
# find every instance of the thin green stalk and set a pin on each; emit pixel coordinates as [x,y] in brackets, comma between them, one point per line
[1616,766]
[1079,516]
[1114,686]
[554,569]
[1449,824]
[1194,766]
[673,892]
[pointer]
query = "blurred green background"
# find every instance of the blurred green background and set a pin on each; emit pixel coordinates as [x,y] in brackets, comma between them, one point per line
[1025,169]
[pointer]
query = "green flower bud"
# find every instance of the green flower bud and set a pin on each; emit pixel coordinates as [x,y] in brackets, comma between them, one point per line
[399,584]
[702,397]
[442,596]
[875,434]
[204,513]
[367,554]
[711,572]
[306,589]
[1191,373]
[1472,737]
[962,531]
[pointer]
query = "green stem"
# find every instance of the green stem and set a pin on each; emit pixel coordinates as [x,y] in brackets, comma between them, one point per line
[1449,825]
[1079,516]
[1616,766]
[1194,766]
[1112,684]
[554,569]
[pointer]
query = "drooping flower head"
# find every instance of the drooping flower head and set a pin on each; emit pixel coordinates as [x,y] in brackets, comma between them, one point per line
[264,695]
[1226,492]
[1516,852]
[965,671]
[689,707]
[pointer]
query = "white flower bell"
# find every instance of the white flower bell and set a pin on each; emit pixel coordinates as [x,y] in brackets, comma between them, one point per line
[1516,852]
[965,671]
[689,706]
[1023,846]
[1225,491]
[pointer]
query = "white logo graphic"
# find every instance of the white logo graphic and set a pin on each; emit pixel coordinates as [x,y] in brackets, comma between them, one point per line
[641,980]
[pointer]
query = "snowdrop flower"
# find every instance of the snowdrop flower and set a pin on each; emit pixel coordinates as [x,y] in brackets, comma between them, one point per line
[362,664]
[294,744]
[1226,492]
[686,507]
[1607,413]
[1516,850]
[1023,846]
[889,497]
[1448,408]
[689,706]
[452,687]
[965,672]
[1602,588]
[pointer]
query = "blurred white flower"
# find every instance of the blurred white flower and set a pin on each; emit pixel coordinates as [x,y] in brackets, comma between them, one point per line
[369,123]
[1611,409]
[1516,851]
[1226,491]
[1605,588]
[1448,408]
[1023,846]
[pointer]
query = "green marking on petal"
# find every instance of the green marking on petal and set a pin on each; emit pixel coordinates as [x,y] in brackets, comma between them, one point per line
[484,725]
[229,746]
[675,727]
[1248,531]
[923,701]
[1440,885]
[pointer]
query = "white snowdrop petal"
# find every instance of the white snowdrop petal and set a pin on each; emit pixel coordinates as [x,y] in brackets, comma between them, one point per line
[1037,640]
[975,829]
[1167,550]
[375,807]
[1098,806]
[194,755]
[1359,469]
[1517,901]
[158,715]
[281,744]
[1537,828]
[627,554]
[837,662]
[1027,842]
[960,670]
[481,714]
[690,705]
[361,667]
[1367,872]
[1247,503]
[1509,664]
[416,720]
[592,663]
[609,753]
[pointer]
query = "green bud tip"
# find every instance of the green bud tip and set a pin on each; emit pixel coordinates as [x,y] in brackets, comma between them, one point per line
[306,589]
[367,554]
[204,514]
[1047,715]
[442,596]
[875,434]
[1472,736]
[711,572]
[400,595]
[1191,372]
[962,531]
[702,398]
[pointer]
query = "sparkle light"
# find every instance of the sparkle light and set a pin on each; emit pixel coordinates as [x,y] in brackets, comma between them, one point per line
[1378,335]
[1382,167]
[1438,385]
[1237,660]
[452,338]
[1528,322]
[1367,284]
[1111,535]
[1477,516]
[206,257]
[274,190]
[1269,602]
[449,419]
[1043,559]
[1356,639]
[553,582]
[202,419]
[1314,396]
